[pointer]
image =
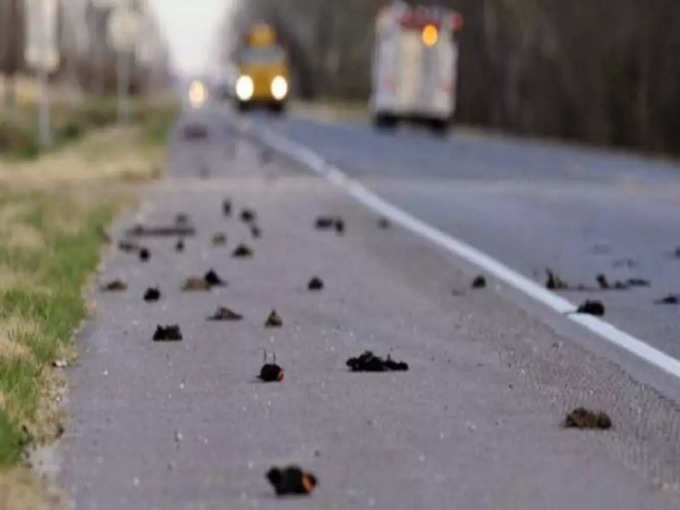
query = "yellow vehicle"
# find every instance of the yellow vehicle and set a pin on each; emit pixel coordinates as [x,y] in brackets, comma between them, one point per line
[263,73]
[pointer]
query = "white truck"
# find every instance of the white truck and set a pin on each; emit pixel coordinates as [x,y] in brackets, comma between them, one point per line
[415,65]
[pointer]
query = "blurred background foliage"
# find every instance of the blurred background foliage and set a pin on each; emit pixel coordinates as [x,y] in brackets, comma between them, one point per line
[83,87]
[602,71]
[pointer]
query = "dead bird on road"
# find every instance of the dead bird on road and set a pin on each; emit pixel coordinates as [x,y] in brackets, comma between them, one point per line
[329,222]
[219,239]
[195,284]
[271,372]
[315,284]
[604,284]
[178,229]
[479,282]
[167,334]
[128,246]
[554,282]
[274,320]
[582,418]
[368,362]
[114,286]
[595,308]
[339,226]
[213,279]
[152,294]
[248,215]
[324,222]
[291,480]
[242,251]
[210,280]
[225,314]
[672,299]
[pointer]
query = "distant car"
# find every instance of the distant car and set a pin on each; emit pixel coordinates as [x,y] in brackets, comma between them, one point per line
[415,65]
[263,73]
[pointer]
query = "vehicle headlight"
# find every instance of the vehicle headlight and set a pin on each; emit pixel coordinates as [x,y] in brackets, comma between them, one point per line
[245,87]
[279,88]
[197,94]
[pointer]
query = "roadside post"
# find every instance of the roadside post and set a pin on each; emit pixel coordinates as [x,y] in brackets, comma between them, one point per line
[42,54]
[123,32]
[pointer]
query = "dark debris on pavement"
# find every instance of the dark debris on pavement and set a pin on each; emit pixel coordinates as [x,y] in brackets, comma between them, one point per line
[167,334]
[368,362]
[291,480]
[582,418]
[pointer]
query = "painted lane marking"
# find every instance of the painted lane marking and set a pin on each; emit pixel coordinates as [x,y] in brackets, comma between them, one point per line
[605,330]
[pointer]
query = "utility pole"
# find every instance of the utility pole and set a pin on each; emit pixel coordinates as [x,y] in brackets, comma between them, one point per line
[42,54]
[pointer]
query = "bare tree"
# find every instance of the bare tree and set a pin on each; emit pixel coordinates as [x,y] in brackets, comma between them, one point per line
[11,44]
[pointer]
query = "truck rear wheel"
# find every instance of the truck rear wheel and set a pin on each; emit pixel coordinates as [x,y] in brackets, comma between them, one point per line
[439,126]
[385,121]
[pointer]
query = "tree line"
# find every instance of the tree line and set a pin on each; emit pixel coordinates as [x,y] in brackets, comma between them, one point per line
[87,60]
[603,71]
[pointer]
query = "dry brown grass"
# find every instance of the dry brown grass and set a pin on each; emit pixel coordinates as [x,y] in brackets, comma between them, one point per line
[20,490]
[53,197]
[111,153]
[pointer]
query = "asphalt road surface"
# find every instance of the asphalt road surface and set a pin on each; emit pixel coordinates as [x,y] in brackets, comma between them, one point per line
[477,420]
[532,205]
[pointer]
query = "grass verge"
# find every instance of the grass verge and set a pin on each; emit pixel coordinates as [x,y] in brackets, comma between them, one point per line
[54,212]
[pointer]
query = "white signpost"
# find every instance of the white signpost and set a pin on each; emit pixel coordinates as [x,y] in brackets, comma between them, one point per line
[42,54]
[124,31]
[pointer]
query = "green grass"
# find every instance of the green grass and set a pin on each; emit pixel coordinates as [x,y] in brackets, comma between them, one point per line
[55,304]
[19,130]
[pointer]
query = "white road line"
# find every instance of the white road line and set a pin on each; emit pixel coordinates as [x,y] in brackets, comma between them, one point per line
[316,162]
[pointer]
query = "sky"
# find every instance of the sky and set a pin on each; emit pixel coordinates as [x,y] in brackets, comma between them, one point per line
[191,29]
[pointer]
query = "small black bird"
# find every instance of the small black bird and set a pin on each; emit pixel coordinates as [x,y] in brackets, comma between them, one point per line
[213,279]
[271,372]
[602,282]
[179,247]
[248,215]
[167,334]
[219,239]
[226,207]
[274,320]
[225,314]
[582,418]
[256,232]
[127,246]
[242,251]
[339,226]
[144,254]
[554,282]
[368,362]
[595,308]
[115,286]
[315,284]
[152,294]
[479,282]
[672,299]
[324,222]
[291,480]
